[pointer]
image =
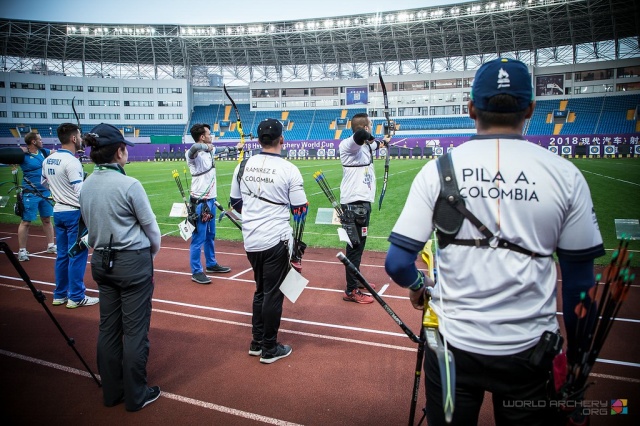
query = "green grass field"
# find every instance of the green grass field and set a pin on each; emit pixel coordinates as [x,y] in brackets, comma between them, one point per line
[614,186]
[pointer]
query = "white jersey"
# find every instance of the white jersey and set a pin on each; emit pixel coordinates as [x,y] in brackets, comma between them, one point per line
[358,175]
[203,172]
[269,176]
[498,301]
[62,173]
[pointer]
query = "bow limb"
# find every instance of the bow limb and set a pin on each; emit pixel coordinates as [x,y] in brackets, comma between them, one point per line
[238,124]
[387,133]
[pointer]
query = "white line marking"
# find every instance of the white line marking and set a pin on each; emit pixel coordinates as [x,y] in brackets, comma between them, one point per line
[175,397]
[608,376]
[383,289]
[241,273]
[610,361]
[609,177]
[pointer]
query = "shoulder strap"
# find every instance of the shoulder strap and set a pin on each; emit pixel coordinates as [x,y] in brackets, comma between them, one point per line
[450,211]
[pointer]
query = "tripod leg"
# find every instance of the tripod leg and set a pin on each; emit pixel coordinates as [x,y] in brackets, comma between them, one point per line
[40,297]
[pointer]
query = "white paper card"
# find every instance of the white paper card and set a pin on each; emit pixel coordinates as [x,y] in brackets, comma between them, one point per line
[344,237]
[178,210]
[186,229]
[293,285]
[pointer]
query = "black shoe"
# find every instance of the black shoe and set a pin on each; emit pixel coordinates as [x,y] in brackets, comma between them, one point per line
[152,394]
[219,269]
[255,348]
[200,278]
[280,351]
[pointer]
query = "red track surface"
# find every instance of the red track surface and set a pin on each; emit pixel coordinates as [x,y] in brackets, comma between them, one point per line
[351,364]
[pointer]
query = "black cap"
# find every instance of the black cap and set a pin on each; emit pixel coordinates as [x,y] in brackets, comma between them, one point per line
[106,134]
[269,127]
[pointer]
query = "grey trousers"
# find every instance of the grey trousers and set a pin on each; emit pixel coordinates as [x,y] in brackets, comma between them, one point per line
[125,313]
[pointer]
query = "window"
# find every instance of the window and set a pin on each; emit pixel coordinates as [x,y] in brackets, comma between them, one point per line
[138,103]
[65,88]
[103,89]
[165,90]
[32,101]
[67,115]
[169,116]
[66,102]
[137,90]
[103,103]
[169,103]
[138,116]
[25,114]
[3,114]
[104,116]
[32,86]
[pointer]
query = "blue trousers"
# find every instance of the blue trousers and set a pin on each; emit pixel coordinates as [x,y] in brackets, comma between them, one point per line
[69,271]
[204,235]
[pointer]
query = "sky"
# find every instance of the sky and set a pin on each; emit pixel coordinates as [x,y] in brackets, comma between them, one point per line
[196,12]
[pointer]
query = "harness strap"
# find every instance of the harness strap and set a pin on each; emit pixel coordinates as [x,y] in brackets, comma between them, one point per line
[450,193]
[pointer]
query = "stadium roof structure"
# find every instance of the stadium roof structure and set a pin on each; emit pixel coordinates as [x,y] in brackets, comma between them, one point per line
[454,37]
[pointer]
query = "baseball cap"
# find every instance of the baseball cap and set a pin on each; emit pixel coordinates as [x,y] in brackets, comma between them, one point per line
[502,76]
[106,134]
[270,127]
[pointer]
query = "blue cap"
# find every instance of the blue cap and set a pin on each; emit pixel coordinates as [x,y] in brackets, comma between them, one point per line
[106,134]
[502,76]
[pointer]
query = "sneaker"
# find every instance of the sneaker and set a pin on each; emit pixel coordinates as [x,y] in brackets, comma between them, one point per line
[255,349]
[57,302]
[361,286]
[200,278]
[52,249]
[153,394]
[219,269]
[358,297]
[87,301]
[280,351]
[23,256]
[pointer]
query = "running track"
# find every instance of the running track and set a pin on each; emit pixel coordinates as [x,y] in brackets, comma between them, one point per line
[351,364]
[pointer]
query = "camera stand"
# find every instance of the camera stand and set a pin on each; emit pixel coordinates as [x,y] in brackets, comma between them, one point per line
[40,297]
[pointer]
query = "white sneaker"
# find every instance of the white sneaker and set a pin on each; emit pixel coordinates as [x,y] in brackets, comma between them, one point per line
[23,256]
[58,302]
[87,301]
[52,249]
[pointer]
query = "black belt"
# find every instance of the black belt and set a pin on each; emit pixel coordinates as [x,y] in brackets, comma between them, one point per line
[123,251]
[198,200]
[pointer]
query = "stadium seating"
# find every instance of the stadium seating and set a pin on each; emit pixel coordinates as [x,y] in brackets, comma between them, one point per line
[594,115]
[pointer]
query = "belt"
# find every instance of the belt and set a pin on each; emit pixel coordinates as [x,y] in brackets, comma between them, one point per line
[199,200]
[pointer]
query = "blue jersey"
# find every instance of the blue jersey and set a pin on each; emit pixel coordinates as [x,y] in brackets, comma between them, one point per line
[32,170]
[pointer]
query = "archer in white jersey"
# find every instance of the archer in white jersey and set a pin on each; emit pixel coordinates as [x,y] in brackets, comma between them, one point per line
[265,189]
[62,173]
[496,292]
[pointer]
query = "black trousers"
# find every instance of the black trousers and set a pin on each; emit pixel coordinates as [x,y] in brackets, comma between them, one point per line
[519,390]
[270,267]
[354,254]
[125,314]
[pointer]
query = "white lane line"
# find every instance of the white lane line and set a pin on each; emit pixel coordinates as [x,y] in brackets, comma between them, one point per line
[319,336]
[241,273]
[299,333]
[618,378]
[227,311]
[175,397]
[609,177]
[383,289]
